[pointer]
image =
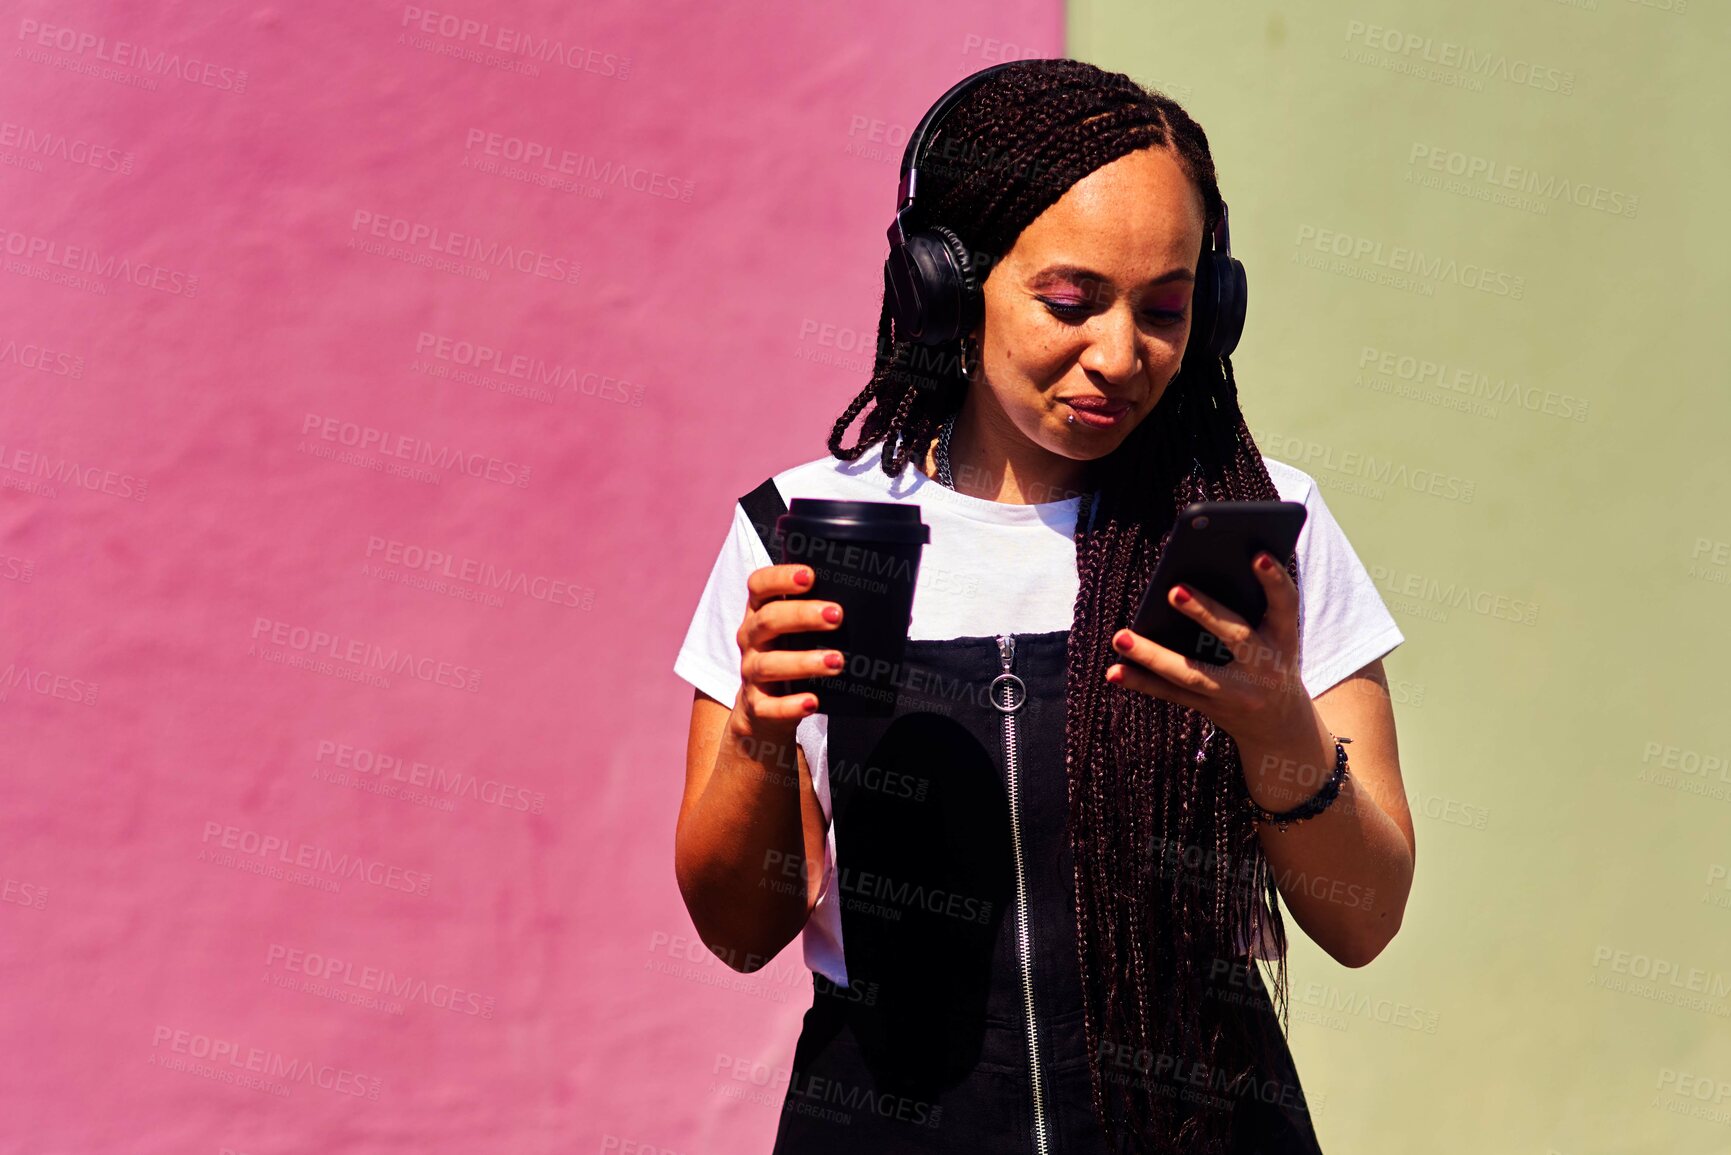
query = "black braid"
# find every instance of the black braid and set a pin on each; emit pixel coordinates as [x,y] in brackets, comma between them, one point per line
[1151,790]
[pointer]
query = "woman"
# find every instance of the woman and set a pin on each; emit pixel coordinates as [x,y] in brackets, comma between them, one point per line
[1031,903]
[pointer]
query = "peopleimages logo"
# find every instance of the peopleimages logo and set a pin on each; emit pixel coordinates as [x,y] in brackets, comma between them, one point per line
[40,358]
[21,466]
[1408,261]
[259,1062]
[33,142]
[836,554]
[47,683]
[864,884]
[311,856]
[104,267]
[1495,176]
[1389,1012]
[515,41]
[528,367]
[465,246]
[362,654]
[476,571]
[556,160]
[1453,594]
[378,980]
[441,780]
[417,450]
[1477,63]
[1319,458]
[125,54]
[1470,382]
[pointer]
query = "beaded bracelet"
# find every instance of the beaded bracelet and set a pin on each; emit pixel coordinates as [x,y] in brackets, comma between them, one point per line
[1312,806]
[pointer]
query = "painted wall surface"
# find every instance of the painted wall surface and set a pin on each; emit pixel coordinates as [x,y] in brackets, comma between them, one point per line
[1485,245]
[377,380]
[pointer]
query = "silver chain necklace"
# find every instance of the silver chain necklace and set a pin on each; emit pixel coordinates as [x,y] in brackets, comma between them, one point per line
[943,461]
[943,454]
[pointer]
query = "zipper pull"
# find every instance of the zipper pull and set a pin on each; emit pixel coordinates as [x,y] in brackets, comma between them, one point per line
[1015,692]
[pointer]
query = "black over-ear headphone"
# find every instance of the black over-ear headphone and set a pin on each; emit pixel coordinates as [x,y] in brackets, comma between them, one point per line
[933,291]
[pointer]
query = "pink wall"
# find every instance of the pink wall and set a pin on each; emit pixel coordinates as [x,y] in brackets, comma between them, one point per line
[212,614]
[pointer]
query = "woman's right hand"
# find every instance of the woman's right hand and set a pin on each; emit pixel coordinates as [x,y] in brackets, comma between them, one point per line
[773,609]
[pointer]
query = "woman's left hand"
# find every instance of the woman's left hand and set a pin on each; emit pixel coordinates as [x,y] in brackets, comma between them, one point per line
[1259,697]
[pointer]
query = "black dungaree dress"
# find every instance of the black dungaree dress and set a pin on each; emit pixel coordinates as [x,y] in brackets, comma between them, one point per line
[961,1027]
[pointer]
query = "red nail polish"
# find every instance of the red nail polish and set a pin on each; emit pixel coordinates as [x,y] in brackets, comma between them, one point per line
[803,577]
[1180,594]
[832,613]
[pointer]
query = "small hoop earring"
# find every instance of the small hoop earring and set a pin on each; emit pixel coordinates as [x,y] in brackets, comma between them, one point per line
[968,352]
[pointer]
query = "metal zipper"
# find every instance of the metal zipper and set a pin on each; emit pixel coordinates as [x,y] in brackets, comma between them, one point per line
[1015,692]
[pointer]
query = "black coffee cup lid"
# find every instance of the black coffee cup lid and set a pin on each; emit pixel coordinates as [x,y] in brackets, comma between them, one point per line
[890,521]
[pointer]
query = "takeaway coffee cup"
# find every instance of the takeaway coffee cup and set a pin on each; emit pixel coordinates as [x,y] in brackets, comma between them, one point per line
[864,555]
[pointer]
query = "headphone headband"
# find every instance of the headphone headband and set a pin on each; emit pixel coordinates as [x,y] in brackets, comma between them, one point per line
[907,185]
[932,284]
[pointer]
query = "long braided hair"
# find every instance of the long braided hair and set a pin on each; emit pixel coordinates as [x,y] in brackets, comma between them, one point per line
[1168,868]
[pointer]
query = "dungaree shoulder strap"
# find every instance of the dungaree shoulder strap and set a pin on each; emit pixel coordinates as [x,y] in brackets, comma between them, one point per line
[763,506]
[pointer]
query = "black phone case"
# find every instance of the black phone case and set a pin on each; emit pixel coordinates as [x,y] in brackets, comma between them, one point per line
[1210,550]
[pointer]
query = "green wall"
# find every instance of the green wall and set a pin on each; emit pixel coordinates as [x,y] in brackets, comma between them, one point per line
[1487,301]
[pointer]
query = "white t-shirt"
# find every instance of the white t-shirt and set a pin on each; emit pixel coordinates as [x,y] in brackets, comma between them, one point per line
[994,568]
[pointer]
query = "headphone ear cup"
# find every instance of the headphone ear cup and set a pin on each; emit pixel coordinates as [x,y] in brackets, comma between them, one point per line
[903,292]
[919,281]
[1204,308]
[1219,299]
[936,289]
[961,261]
[1231,297]
[961,285]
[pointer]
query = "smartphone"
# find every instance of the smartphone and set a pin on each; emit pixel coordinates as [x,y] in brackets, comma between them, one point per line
[1210,550]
